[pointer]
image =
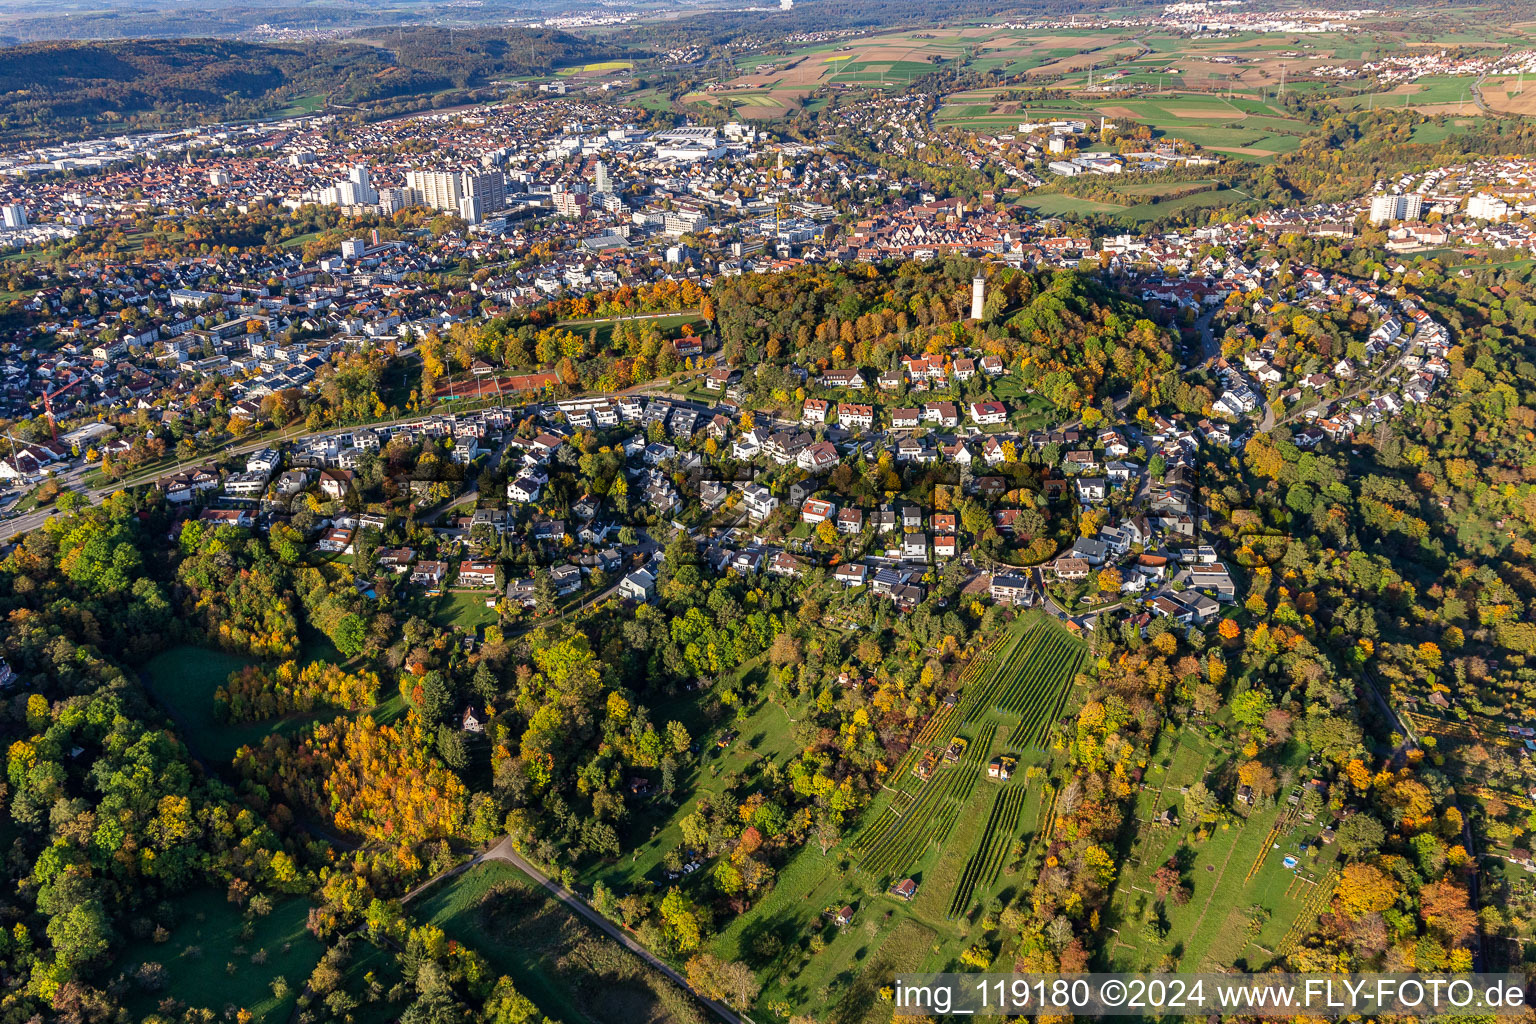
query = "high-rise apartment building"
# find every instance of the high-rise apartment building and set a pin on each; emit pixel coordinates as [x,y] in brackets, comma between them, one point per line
[393,200]
[1387,208]
[440,190]
[488,188]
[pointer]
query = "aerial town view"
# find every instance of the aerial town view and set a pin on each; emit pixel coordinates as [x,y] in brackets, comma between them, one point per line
[654,511]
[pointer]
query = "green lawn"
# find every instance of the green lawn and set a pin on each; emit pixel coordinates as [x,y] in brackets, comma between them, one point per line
[668,324]
[184,680]
[465,610]
[211,961]
[299,241]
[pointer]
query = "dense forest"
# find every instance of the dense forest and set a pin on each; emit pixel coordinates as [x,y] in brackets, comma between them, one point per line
[1065,335]
[56,89]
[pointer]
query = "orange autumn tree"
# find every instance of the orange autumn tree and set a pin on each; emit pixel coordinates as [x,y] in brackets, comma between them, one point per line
[376,781]
[385,786]
[255,693]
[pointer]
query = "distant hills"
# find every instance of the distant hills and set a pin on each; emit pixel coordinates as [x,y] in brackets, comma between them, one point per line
[65,89]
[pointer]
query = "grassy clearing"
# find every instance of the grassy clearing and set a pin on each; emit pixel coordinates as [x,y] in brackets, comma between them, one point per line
[1219,197]
[299,241]
[1432,132]
[570,970]
[465,610]
[212,961]
[301,106]
[184,680]
[668,324]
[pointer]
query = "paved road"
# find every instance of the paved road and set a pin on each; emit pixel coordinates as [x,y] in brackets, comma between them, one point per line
[473,493]
[504,851]
[1210,348]
[73,479]
[1375,381]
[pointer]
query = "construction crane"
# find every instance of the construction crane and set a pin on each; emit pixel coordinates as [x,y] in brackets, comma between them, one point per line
[48,397]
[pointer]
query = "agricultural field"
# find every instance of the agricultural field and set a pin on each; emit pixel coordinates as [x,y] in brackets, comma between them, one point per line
[890,60]
[1511,95]
[1236,126]
[929,829]
[1183,83]
[991,853]
[1255,884]
[1432,94]
[1438,131]
[596,70]
[1028,682]
[890,846]
[768,87]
